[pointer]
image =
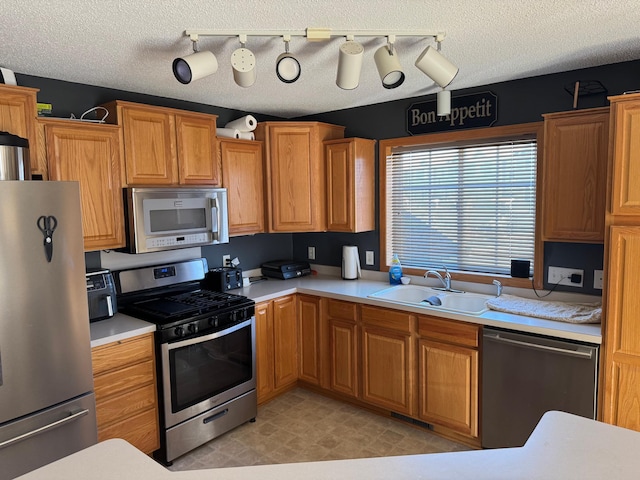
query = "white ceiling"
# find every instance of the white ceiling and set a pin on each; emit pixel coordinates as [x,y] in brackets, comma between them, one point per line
[130,44]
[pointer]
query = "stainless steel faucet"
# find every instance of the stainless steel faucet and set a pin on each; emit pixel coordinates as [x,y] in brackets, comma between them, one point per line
[499,285]
[446,280]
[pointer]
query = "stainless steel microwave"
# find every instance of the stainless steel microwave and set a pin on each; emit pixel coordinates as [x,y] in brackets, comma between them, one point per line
[169,218]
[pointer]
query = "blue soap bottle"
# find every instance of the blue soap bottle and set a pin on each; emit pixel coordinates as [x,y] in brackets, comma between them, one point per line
[395,271]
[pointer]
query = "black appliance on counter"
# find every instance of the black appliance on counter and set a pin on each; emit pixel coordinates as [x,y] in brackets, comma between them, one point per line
[205,351]
[222,279]
[101,295]
[285,269]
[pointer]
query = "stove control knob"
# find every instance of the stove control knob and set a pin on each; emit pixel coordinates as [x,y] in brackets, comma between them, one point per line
[179,332]
[213,321]
[242,314]
[192,328]
[233,316]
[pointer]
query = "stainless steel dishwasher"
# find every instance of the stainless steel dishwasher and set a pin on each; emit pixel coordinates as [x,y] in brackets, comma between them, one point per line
[524,376]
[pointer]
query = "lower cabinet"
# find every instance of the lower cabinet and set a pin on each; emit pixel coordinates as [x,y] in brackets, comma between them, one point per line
[276,346]
[125,388]
[343,347]
[448,374]
[309,339]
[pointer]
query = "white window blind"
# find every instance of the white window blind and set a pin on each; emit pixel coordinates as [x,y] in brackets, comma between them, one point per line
[471,208]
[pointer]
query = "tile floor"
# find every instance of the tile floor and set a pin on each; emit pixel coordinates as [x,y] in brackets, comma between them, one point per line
[302,426]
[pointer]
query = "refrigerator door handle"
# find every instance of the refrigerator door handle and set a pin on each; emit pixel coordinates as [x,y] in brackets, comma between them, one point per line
[44,428]
[580,352]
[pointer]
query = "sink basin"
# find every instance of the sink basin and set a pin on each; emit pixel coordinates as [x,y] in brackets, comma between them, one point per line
[414,295]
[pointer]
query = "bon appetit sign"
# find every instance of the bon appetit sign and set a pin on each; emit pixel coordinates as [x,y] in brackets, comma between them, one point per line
[467,111]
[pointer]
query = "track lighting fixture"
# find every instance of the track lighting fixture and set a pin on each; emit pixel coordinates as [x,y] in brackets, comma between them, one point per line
[388,65]
[243,62]
[288,69]
[349,64]
[443,103]
[287,66]
[433,64]
[195,66]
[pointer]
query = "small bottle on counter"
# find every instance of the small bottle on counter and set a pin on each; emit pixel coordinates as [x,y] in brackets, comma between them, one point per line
[395,271]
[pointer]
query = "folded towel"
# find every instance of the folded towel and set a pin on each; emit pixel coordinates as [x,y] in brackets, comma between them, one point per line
[560,311]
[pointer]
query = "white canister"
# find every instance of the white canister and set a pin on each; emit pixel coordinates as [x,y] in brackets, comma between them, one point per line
[350,263]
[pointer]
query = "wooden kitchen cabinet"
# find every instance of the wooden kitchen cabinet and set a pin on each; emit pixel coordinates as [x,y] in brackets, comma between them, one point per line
[448,374]
[89,154]
[243,168]
[350,185]
[575,175]
[388,359]
[125,389]
[343,347]
[625,139]
[18,116]
[310,341]
[276,347]
[165,146]
[296,173]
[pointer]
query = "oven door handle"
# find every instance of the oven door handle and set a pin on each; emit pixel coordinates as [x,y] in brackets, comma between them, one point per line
[204,338]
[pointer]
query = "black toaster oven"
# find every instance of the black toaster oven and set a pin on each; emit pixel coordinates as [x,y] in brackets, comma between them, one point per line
[101,295]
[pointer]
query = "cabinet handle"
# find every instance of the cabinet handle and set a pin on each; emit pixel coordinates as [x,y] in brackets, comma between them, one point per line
[575,353]
[44,428]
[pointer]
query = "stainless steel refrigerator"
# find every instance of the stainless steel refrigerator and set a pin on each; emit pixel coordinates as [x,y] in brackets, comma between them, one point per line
[47,405]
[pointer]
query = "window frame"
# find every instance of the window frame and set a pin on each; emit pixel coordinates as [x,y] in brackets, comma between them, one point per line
[462,137]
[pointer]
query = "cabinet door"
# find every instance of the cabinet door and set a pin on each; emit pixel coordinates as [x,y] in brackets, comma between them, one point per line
[264,350]
[243,177]
[90,155]
[386,366]
[18,113]
[575,174]
[448,377]
[285,341]
[149,146]
[625,113]
[344,357]
[622,356]
[197,150]
[350,185]
[309,338]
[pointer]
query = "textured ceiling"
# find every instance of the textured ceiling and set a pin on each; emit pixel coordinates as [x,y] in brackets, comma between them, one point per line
[130,44]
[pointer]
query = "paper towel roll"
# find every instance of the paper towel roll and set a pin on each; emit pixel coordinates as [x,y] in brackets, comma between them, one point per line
[247,135]
[248,123]
[228,132]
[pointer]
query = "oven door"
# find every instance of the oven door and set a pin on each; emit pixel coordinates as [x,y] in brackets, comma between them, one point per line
[202,372]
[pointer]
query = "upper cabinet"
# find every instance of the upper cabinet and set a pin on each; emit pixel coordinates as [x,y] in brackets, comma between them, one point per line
[350,185]
[625,114]
[296,173]
[164,146]
[575,175]
[18,116]
[89,154]
[243,168]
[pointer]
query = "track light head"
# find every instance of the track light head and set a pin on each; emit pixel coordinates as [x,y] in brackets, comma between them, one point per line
[243,62]
[195,66]
[388,66]
[443,103]
[287,66]
[433,64]
[349,65]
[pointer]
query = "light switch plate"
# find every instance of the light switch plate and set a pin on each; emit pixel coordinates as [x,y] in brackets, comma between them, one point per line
[370,259]
[311,253]
[598,279]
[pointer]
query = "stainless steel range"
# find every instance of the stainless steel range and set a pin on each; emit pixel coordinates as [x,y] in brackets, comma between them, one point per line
[205,352]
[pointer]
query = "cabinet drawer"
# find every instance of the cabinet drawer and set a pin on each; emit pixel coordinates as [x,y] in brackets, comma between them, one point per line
[116,382]
[384,318]
[122,406]
[122,353]
[449,331]
[141,431]
[342,310]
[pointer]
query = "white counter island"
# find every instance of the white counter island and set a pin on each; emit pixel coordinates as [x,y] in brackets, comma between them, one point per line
[562,446]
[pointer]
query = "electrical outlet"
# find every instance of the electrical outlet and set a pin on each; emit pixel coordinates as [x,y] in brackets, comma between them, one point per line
[563,276]
[311,253]
[226,260]
[369,260]
[598,279]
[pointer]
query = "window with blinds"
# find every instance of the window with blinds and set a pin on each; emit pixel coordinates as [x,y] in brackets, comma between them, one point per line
[471,208]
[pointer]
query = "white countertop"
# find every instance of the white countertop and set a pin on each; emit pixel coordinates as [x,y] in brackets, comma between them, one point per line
[122,326]
[562,446]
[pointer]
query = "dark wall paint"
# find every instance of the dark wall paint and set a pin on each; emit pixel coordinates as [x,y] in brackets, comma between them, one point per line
[519,101]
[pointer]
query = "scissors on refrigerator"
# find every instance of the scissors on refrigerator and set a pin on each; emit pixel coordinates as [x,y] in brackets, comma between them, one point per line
[47,225]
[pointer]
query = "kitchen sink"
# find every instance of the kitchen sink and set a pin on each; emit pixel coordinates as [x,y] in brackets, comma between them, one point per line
[431,298]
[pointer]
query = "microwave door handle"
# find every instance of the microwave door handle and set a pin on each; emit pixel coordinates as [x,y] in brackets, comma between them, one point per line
[215,212]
